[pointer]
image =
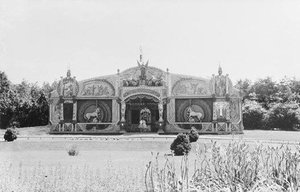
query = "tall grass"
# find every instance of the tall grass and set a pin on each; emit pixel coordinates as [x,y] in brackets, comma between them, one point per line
[233,167]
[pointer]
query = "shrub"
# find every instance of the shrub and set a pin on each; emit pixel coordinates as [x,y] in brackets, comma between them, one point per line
[283,115]
[10,135]
[193,135]
[253,115]
[73,150]
[181,145]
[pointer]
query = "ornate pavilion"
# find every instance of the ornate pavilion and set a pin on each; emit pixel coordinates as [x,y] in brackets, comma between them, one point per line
[145,99]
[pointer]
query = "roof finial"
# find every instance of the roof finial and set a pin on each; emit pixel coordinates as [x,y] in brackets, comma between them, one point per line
[141,54]
[69,70]
[220,69]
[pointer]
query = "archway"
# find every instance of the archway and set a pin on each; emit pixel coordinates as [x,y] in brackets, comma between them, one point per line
[142,113]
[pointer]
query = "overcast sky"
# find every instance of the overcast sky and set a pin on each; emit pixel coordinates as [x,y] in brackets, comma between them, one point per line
[40,39]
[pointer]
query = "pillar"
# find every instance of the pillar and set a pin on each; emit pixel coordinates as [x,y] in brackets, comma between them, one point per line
[160,110]
[74,118]
[123,121]
[123,109]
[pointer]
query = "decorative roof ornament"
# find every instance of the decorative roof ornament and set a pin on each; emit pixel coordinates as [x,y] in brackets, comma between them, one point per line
[69,73]
[141,62]
[143,67]
[68,86]
[220,70]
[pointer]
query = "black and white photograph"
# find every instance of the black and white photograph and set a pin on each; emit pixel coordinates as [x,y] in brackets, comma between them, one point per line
[149,96]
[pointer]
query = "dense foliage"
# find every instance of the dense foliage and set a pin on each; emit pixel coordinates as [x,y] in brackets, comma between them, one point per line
[25,103]
[283,115]
[268,104]
[253,115]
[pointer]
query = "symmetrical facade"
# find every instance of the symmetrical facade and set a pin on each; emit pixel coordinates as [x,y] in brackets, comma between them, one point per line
[148,99]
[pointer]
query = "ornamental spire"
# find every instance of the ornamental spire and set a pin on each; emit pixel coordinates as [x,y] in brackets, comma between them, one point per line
[141,54]
[220,71]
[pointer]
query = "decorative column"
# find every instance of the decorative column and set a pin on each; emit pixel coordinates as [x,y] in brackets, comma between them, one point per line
[74,111]
[123,121]
[123,109]
[61,117]
[74,118]
[115,111]
[161,120]
[160,110]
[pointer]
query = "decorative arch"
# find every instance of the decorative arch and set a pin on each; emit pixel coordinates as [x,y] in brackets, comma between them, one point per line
[141,95]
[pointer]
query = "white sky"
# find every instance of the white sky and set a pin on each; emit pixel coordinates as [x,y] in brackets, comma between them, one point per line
[252,39]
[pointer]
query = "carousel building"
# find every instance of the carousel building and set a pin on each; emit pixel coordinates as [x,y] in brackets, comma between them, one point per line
[145,99]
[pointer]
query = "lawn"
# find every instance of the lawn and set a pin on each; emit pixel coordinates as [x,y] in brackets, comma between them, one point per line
[104,163]
[120,163]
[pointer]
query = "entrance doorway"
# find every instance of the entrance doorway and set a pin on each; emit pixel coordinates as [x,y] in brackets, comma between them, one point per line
[142,114]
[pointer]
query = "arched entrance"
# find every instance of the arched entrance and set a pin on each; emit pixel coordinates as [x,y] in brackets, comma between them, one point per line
[142,113]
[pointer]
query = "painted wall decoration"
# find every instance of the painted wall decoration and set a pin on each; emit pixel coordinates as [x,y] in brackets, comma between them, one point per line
[193,110]
[187,87]
[235,111]
[221,111]
[97,88]
[94,111]
[194,113]
[68,86]
[55,110]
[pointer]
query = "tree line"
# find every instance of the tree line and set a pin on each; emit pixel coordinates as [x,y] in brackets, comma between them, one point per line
[25,104]
[266,103]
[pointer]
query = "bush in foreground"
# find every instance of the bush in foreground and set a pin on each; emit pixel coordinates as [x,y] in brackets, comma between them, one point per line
[193,135]
[73,150]
[10,135]
[181,145]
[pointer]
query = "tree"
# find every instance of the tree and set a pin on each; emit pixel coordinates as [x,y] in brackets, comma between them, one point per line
[265,90]
[6,101]
[4,83]
[244,86]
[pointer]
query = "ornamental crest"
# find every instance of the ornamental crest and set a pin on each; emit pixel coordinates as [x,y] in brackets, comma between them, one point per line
[68,86]
[143,75]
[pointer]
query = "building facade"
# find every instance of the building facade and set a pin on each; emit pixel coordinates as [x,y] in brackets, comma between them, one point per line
[145,99]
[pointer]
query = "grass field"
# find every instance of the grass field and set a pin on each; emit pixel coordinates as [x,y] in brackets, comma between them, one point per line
[104,163]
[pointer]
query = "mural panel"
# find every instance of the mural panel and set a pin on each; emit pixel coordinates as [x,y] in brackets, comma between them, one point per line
[193,110]
[94,111]
[98,88]
[235,113]
[188,87]
[55,110]
[221,111]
